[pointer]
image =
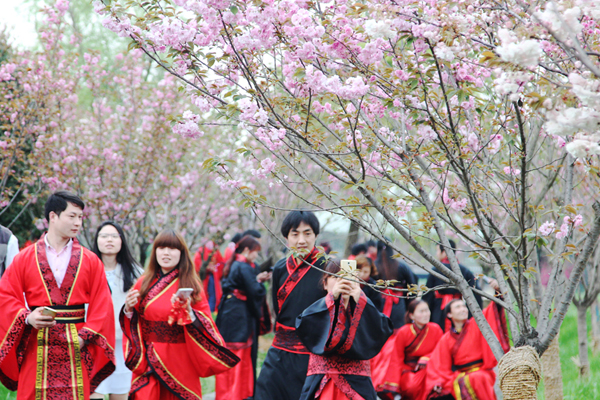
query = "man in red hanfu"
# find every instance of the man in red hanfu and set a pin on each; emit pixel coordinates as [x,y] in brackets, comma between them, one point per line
[462,364]
[66,355]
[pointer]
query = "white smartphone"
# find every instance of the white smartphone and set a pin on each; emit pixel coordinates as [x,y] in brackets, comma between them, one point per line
[184,293]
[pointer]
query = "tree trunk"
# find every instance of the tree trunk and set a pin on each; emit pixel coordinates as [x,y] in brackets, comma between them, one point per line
[553,387]
[584,361]
[595,310]
[352,238]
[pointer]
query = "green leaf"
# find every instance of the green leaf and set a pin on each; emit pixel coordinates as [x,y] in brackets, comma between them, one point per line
[233,9]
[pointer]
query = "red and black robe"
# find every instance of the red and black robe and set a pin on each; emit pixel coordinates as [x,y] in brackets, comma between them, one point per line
[168,360]
[395,308]
[341,340]
[296,285]
[462,363]
[240,312]
[438,299]
[49,363]
[212,280]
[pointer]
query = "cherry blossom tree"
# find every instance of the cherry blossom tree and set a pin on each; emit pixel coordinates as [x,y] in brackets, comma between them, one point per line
[34,88]
[474,120]
[117,132]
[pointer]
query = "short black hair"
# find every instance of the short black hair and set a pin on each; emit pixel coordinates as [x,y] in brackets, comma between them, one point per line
[236,238]
[58,202]
[252,232]
[452,244]
[359,248]
[295,218]
[370,243]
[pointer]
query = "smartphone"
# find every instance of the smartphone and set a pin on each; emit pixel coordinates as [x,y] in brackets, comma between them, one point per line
[49,312]
[184,293]
[348,265]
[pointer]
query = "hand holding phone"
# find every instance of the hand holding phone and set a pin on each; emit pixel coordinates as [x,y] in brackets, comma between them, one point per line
[184,293]
[40,318]
[49,312]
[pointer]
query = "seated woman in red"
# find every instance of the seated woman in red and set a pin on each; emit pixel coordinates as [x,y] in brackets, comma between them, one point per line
[342,331]
[462,363]
[169,340]
[414,344]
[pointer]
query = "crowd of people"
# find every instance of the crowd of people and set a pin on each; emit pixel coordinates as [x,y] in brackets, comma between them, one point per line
[82,323]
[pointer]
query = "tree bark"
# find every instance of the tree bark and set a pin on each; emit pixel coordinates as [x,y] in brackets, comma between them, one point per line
[352,238]
[553,387]
[584,361]
[595,310]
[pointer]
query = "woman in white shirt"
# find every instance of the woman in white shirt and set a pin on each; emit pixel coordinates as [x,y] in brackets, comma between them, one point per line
[121,273]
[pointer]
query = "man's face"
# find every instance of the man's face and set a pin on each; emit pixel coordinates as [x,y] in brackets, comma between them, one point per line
[302,237]
[458,311]
[68,223]
[439,253]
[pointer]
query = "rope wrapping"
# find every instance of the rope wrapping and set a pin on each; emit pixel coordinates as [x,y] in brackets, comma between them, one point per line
[519,373]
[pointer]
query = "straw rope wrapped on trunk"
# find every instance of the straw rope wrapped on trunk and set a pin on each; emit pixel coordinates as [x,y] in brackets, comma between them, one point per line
[519,372]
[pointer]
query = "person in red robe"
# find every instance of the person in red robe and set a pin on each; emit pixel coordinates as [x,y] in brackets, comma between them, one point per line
[343,331]
[414,344]
[209,265]
[170,340]
[66,356]
[462,363]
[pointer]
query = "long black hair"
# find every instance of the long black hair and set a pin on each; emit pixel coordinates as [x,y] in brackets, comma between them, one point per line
[247,242]
[386,265]
[124,257]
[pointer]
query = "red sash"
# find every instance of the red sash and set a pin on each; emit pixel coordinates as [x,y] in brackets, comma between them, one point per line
[336,364]
[287,339]
[390,301]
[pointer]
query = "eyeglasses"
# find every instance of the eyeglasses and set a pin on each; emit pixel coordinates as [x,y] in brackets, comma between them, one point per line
[109,235]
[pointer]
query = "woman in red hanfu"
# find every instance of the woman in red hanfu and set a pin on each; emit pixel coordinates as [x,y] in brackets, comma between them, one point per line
[170,342]
[415,342]
[209,264]
[462,363]
[342,331]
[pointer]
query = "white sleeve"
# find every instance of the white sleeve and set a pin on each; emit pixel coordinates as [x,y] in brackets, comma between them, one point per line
[12,250]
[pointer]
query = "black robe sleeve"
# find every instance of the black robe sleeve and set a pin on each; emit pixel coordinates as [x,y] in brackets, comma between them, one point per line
[255,291]
[357,331]
[374,295]
[408,277]
[276,280]
[472,282]
[429,297]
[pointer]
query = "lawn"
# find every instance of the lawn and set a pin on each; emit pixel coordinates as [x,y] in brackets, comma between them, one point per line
[574,388]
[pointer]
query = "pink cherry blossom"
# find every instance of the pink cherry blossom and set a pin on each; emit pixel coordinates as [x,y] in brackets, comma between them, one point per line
[404,207]
[547,228]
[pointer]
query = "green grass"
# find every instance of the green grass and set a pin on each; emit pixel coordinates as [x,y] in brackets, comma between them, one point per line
[574,388]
